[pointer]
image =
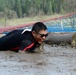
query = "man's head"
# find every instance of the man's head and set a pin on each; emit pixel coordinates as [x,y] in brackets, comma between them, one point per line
[39,31]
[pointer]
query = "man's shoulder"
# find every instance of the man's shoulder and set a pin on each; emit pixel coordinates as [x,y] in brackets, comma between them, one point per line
[26,32]
[28,35]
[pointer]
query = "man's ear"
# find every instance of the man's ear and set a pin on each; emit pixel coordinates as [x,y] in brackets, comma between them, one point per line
[33,33]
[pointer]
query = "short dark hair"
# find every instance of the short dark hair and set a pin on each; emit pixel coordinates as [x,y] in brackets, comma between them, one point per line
[39,26]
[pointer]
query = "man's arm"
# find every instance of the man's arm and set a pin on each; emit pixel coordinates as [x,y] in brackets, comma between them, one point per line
[26,45]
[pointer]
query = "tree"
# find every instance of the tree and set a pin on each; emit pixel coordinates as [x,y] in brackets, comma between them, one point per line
[18,8]
[50,8]
[34,7]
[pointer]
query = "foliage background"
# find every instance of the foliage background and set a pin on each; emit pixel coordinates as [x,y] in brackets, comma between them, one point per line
[25,8]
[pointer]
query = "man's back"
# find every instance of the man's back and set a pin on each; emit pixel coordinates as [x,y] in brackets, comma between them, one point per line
[12,39]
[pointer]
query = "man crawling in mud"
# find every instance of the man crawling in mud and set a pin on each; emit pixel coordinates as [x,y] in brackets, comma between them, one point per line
[24,41]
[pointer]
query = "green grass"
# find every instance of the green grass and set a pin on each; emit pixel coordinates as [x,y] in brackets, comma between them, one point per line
[26,20]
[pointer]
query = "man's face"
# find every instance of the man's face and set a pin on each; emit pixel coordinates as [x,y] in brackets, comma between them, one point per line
[40,36]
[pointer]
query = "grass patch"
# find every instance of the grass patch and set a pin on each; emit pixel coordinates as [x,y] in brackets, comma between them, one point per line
[26,20]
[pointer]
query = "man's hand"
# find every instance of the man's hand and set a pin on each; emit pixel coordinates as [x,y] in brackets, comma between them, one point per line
[22,52]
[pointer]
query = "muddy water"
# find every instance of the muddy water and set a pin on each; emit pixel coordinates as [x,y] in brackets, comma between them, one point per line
[57,60]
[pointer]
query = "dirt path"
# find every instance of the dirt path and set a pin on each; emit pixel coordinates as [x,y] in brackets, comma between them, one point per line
[57,60]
